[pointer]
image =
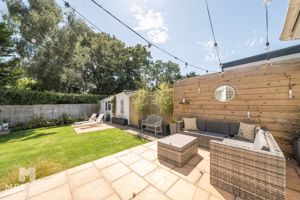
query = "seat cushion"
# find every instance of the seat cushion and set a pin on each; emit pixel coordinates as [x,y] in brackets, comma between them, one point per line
[234,128]
[217,126]
[247,131]
[260,141]
[200,124]
[190,124]
[239,143]
[205,133]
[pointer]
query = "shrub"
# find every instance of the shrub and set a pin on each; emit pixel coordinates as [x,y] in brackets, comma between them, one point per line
[43,167]
[141,101]
[29,97]
[65,119]
[41,121]
[164,99]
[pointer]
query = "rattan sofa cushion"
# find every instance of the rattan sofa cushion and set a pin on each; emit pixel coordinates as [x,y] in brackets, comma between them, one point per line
[200,124]
[234,128]
[190,124]
[217,126]
[239,143]
[177,142]
[260,141]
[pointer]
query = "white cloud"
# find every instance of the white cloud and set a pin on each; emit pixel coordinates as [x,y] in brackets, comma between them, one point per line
[210,50]
[152,22]
[256,41]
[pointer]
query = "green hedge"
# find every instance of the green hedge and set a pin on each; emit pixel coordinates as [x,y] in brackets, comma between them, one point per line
[29,97]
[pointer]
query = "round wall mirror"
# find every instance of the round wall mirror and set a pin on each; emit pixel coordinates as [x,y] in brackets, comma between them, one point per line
[224,93]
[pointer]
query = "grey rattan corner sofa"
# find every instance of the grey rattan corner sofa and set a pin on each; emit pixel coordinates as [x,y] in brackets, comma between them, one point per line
[247,172]
[236,165]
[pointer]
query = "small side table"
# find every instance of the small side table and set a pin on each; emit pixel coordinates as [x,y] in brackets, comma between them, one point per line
[177,149]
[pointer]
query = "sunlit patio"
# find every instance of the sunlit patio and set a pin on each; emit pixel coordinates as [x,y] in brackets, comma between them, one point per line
[135,173]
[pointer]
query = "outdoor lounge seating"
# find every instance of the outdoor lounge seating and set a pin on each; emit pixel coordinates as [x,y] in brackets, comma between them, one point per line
[152,123]
[98,121]
[91,119]
[247,172]
[210,130]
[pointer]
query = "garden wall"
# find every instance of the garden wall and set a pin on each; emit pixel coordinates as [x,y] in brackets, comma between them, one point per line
[263,90]
[23,113]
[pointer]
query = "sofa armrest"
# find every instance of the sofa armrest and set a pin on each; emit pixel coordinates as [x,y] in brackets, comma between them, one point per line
[247,171]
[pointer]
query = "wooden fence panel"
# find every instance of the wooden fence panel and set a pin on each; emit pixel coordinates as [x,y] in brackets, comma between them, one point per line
[263,90]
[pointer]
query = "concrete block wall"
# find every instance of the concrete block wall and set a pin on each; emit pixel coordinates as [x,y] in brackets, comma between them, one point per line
[24,113]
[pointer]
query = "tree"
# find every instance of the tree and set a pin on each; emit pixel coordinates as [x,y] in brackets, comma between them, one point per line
[54,50]
[161,72]
[114,67]
[9,72]
[190,74]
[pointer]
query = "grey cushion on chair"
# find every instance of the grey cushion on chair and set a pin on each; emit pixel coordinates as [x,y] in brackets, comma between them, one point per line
[200,124]
[217,126]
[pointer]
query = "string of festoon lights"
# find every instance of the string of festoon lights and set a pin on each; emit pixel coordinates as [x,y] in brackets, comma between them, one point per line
[266,3]
[149,43]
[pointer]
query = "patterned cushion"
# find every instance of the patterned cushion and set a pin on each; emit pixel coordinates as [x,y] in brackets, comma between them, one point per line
[247,131]
[190,124]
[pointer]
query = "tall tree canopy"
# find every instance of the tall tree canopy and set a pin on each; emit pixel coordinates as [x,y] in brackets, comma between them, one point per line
[61,53]
[9,72]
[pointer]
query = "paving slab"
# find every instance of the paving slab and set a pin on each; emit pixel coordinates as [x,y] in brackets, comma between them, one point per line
[135,174]
[129,186]
[115,171]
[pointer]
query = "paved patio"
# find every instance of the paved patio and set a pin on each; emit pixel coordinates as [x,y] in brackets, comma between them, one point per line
[135,174]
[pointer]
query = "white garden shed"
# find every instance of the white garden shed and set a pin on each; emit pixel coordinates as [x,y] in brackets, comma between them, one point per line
[106,106]
[122,105]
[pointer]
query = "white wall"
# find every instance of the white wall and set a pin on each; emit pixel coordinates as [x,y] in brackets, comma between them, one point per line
[102,105]
[125,98]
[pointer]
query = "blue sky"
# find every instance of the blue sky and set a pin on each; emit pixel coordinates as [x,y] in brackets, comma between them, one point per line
[182,27]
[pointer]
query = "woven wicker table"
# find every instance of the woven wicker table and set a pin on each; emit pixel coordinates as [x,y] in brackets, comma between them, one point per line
[177,149]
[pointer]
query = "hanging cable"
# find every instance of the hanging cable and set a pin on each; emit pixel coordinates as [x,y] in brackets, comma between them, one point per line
[150,44]
[267,3]
[67,5]
[213,34]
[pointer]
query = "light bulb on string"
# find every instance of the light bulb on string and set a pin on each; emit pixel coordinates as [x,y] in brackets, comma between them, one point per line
[267,2]
[67,5]
[33,40]
[267,46]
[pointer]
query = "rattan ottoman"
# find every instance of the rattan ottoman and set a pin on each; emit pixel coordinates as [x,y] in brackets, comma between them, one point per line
[177,149]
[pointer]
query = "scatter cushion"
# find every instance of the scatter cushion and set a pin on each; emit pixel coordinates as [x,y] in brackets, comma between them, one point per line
[190,124]
[260,141]
[247,131]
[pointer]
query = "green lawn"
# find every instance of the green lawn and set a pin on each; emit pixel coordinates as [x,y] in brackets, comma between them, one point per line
[60,145]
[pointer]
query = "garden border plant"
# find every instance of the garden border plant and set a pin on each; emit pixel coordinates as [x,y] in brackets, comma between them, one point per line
[164,100]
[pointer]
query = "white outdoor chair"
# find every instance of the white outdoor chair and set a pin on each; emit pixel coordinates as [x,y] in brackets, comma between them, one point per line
[152,123]
[98,121]
[91,119]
